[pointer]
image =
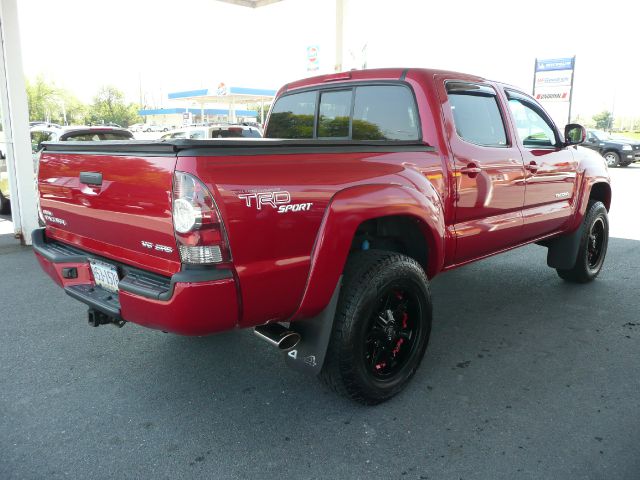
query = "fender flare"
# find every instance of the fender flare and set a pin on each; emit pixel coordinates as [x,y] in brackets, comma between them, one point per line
[350,207]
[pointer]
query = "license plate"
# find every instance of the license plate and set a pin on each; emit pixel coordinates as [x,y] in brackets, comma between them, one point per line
[105,275]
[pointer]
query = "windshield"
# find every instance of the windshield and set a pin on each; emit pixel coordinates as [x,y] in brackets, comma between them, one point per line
[601,135]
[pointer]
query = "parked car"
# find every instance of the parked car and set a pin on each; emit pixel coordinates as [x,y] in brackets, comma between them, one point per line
[324,237]
[617,151]
[41,134]
[43,123]
[214,131]
[136,127]
[150,127]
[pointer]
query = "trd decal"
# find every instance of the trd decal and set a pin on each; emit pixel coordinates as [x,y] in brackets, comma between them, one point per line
[49,217]
[157,247]
[259,199]
[280,200]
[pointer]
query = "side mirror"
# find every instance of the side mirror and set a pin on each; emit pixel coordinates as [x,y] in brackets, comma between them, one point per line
[574,134]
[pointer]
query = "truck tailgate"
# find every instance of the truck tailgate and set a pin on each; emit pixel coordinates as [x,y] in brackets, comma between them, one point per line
[117,206]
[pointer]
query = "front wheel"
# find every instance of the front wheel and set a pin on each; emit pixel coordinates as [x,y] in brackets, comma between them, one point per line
[593,246]
[381,328]
[612,159]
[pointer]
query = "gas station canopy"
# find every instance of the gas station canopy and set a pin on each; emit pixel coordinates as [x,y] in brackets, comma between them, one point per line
[224,94]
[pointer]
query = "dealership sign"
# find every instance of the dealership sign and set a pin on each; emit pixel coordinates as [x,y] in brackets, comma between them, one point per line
[555,64]
[313,63]
[553,94]
[554,78]
[553,84]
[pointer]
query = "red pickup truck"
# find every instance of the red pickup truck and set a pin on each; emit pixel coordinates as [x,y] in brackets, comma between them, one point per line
[324,235]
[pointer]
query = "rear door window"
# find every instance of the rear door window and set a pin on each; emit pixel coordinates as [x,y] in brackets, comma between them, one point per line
[476,115]
[293,116]
[116,136]
[385,112]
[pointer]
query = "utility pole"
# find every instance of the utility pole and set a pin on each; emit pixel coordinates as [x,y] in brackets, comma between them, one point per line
[339,34]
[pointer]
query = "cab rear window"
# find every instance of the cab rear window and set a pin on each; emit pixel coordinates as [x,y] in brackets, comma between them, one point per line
[367,112]
[293,116]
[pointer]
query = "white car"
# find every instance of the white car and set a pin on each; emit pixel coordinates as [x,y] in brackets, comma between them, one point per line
[214,131]
[150,127]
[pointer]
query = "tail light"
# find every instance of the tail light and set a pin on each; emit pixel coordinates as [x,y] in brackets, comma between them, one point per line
[36,171]
[197,223]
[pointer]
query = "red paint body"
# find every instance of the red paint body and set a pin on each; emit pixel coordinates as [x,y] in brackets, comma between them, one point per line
[286,266]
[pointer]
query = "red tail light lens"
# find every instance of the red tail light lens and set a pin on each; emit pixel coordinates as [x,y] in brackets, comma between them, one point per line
[197,222]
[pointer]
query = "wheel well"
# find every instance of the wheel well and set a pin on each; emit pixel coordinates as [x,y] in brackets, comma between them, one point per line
[601,192]
[400,234]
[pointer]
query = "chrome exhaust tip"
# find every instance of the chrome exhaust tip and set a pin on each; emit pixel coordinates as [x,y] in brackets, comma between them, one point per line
[277,335]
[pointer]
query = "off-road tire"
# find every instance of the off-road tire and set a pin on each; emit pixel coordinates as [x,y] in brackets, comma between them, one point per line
[367,276]
[587,268]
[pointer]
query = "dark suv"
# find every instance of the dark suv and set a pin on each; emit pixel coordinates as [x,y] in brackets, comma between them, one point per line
[618,152]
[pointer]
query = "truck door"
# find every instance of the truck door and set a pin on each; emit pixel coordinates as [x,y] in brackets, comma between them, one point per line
[488,169]
[550,168]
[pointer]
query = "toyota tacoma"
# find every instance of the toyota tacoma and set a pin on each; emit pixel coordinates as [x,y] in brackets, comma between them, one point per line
[323,236]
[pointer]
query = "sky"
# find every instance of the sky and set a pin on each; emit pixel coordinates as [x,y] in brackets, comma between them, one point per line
[150,48]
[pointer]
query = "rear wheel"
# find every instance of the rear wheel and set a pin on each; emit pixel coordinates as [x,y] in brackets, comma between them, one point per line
[612,159]
[381,328]
[593,246]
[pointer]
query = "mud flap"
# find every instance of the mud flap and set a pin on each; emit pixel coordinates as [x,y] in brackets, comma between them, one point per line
[563,251]
[308,356]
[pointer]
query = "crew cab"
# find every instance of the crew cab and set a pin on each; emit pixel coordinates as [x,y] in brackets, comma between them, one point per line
[323,236]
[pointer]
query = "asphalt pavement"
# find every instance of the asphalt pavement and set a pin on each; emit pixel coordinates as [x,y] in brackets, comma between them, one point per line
[525,377]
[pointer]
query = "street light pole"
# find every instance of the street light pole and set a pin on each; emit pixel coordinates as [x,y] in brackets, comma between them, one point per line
[339,33]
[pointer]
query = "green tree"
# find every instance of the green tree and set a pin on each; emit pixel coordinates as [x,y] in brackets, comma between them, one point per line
[42,98]
[604,120]
[50,103]
[109,107]
[258,109]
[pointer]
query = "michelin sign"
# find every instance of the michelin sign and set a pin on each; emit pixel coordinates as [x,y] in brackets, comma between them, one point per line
[552,85]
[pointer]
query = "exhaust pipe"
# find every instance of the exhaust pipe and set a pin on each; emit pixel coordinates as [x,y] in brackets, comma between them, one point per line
[278,336]
[97,318]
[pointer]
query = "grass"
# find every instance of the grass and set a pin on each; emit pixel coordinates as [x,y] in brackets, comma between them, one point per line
[632,135]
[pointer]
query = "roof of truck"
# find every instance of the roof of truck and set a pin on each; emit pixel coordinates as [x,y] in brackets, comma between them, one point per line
[374,74]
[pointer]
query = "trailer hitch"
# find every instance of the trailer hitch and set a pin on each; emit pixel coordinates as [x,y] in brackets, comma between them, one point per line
[97,318]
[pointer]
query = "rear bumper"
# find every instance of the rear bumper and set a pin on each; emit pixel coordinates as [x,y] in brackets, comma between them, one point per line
[191,302]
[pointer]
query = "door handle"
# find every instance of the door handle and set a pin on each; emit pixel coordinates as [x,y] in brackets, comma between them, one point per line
[471,169]
[91,178]
[532,167]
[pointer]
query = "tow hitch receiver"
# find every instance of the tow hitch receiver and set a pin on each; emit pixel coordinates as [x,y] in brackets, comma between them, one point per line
[97,318]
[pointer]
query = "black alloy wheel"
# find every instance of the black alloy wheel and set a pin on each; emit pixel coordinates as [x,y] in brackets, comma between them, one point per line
[593,246]
[392,332]
[381,326]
